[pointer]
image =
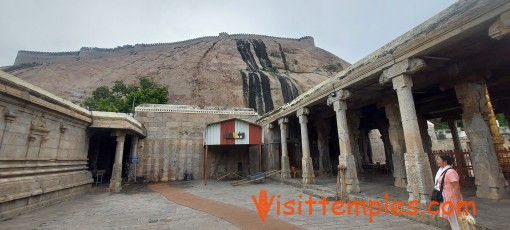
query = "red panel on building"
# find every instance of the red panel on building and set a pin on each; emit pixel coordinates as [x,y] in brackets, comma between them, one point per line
[227,126]
[255,135]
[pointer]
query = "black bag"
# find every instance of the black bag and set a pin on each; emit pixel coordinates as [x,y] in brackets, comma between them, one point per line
[438,195]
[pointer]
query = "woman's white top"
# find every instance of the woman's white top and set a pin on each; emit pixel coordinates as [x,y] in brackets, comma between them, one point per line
[438,174]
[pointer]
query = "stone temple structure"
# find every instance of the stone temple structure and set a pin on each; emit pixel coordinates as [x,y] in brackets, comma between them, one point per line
[448,67]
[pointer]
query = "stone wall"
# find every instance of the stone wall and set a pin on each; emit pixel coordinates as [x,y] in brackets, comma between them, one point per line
[174,144]
[43,147]
[30,57]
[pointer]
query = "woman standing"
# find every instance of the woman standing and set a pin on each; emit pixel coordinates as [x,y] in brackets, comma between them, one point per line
[451,189]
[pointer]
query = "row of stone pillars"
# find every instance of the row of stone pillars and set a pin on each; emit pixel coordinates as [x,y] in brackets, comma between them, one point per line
[410,160]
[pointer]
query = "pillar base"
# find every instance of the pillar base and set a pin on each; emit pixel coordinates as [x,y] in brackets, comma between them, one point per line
[115,185]
[308,175]
[400,182]
[420,182]
[493,193]
[285,173]
[351,178]
[116,181]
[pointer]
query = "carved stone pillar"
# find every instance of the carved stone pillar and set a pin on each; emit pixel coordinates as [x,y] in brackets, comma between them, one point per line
[455,134]
[116,181]
[272,152]
[396,135]
[424,133]
[353,119]
[307,164]
[418,171]
[323,130]
[283,122]
[489,180]
[346,158]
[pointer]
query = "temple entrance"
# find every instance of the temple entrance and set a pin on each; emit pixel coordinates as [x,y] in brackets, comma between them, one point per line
[101,156]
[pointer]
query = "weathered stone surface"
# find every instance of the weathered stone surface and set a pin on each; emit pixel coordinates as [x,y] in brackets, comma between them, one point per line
[501,27]
[419,173]
[489,180]
[346,158]
[307,164]
[43,158]
[235,71]
[283,122]
[174,146]
[396,134]
[323,130]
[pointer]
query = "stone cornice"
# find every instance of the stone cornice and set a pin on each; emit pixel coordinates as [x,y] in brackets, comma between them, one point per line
[195,109]
[111,120]
[15,87]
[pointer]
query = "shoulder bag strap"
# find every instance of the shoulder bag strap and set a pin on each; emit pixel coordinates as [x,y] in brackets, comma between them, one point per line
[442,180]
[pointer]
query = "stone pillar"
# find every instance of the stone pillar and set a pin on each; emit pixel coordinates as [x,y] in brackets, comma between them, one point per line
[396,136]
[346,158]
[271,151]
[283,122]
[455,134]
[365,144]
[134,154]
[323,130]
[353,121]
[419,173]
[307,164]
[424,133]
[489,179]
[116,181]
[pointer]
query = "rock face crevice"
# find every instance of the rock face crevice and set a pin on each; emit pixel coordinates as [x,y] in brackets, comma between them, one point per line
[258,72]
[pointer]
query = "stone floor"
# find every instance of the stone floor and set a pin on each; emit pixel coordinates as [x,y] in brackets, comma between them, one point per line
[491,214]
[137,207]
[241,196]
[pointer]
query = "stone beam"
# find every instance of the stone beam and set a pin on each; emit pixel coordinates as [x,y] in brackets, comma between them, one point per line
[346,158]
[501,27]
[407,66]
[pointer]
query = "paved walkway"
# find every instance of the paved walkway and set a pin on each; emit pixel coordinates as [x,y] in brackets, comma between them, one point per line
[138,207]
[241,196]
[242,217]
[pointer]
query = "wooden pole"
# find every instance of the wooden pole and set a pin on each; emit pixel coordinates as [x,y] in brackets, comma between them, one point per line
[205,165]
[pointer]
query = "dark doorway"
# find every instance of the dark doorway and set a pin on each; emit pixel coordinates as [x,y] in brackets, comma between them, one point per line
[101,155]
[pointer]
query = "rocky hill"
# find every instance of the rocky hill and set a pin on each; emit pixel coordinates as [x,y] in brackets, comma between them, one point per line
[255,71]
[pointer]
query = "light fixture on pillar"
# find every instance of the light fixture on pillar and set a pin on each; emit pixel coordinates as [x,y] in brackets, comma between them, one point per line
[333,94]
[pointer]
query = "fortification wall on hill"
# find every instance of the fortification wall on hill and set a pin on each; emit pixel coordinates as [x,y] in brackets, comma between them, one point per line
[30,57]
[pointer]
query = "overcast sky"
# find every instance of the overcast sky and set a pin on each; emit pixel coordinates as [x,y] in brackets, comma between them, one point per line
[350,29]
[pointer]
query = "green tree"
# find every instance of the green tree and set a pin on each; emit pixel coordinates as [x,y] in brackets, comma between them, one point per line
[120,97]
